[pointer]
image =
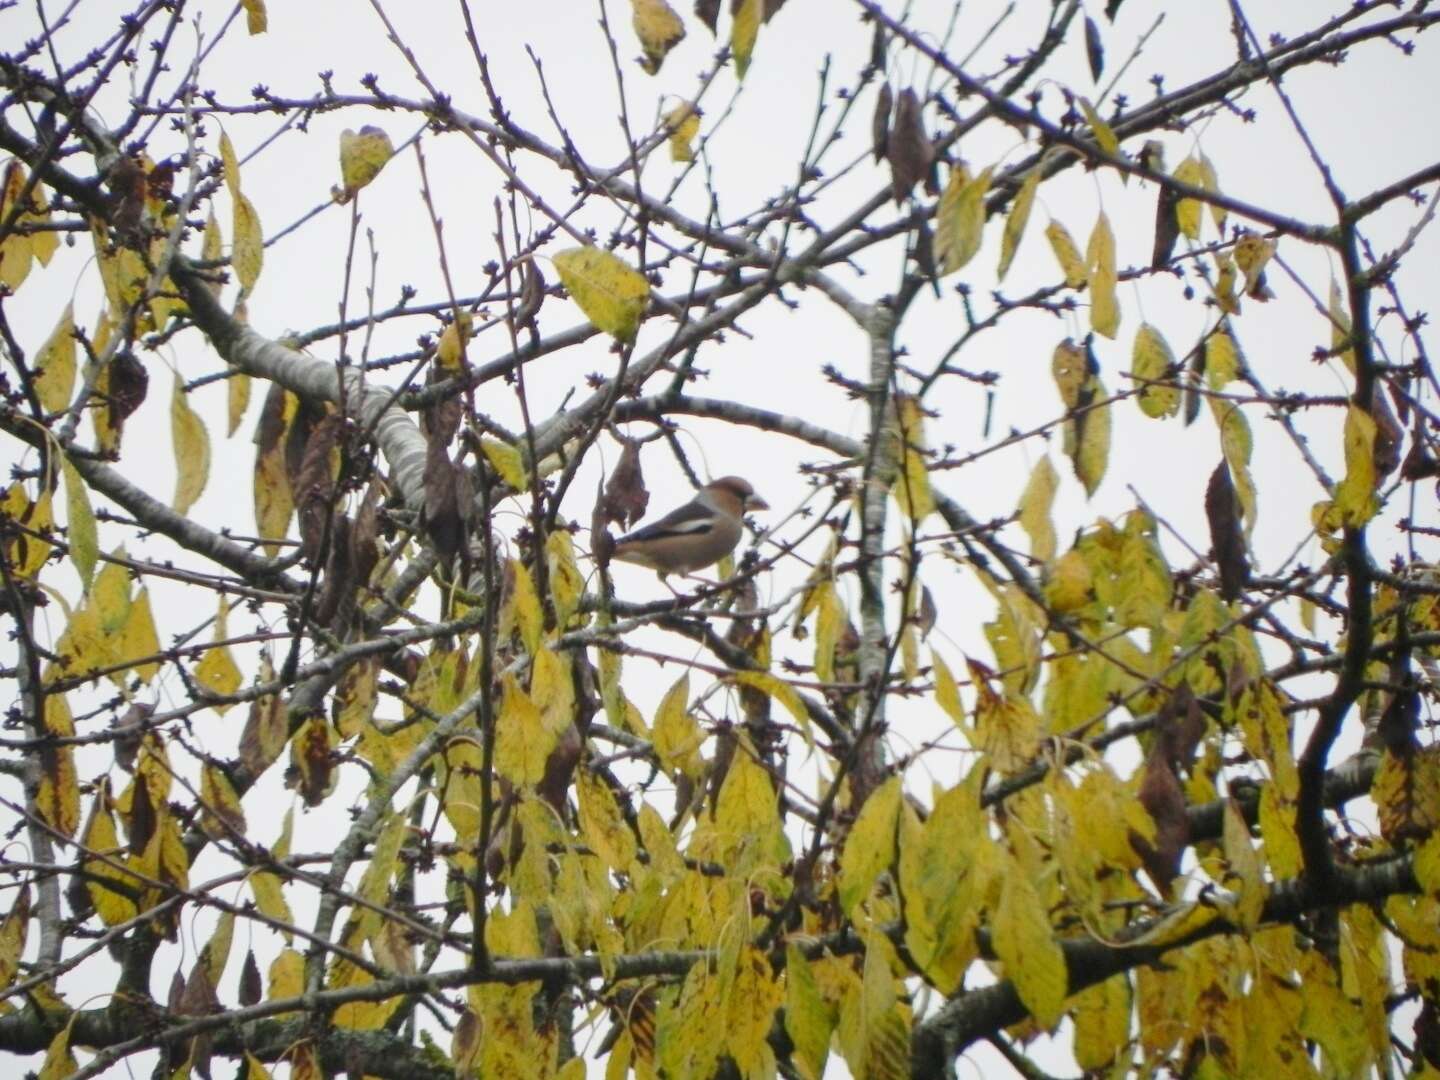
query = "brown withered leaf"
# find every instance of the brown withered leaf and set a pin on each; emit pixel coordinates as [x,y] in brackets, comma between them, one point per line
[442,502]
[708,12]
[1227,537]
[251,989]
[441,420]
[337,597]
[1111,8]
[128,385]
[1094,49]
[880,122]
[927,614]
[140,822]
[1401,720]
[1164,800]
[1179,727]
[266,728]
[771,7]
[1419,463]
[312,769]
[1389,436]
[297,438]
[626,498]
[924,254]
[1167,227]
[365,537]
[1194,378]
[199,997]
[313,485]
[907,147]
[878,41]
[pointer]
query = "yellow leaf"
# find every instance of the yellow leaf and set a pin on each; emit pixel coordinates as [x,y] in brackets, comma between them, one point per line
[1153,366]
[16,250]
[508,462]
[677,737]
[255,1069]
[747,821]
[809,1018]
[1015,223]
[754,996]
[256,21]
[138,637]
[659,30]
[1355,495]
[567,584]
[113,905]
[247,254]
[217,670]
[1244,865]
[59,1063]
[1066,254]
[1104,136]
[286,977]
[1102,1022]
[1087,436]
[1212,183]
[744,29]
[221,815]
[612,295]
[960,218]
[1100,258]
[237,388]
[1022,938]
[450,352]
[523,741]
[947,691]
[683,123]
[362,155]
[870,847]
[27,554]
[1222,360]
[1034,510]
[1252,252]
[192,450]
[56,363]
[781,691]
[80,523]
[1340,326]
[1187,211]
[601,824]
[524,613]
[912,481]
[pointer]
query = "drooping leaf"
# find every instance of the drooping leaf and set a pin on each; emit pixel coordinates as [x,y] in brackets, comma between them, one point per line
[880,122]
[1034,510]
[56,363]
[1355,499]
[1187,210]
[1104,136]
[1227,538]
[908,147]
[870,847]
[1025,943]
[612,295]
[683,123]
[1100,260]
[960,218]
[745,19]
[80,523]
[217,670]
[256,19]
[191,444]
[1067,254]
[1153,367]
[1015,223]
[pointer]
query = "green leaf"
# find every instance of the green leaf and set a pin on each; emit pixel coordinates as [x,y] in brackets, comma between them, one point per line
[1152,362]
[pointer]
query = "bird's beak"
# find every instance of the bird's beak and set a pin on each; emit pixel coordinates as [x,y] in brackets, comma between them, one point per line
[754,502]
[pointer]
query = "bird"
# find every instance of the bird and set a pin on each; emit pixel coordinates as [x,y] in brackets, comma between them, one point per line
[696,535]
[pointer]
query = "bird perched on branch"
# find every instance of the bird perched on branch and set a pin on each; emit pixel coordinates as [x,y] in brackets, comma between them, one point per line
[696,535]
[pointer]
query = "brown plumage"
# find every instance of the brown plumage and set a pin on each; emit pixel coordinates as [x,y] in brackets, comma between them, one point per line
[696,535]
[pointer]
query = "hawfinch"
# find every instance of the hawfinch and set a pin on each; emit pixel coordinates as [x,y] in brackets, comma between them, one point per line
[700,533]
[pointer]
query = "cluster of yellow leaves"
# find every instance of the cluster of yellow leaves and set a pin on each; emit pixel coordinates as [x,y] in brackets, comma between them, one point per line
[24,247]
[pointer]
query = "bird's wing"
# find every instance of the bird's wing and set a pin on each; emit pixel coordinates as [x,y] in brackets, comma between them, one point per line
[692,519]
